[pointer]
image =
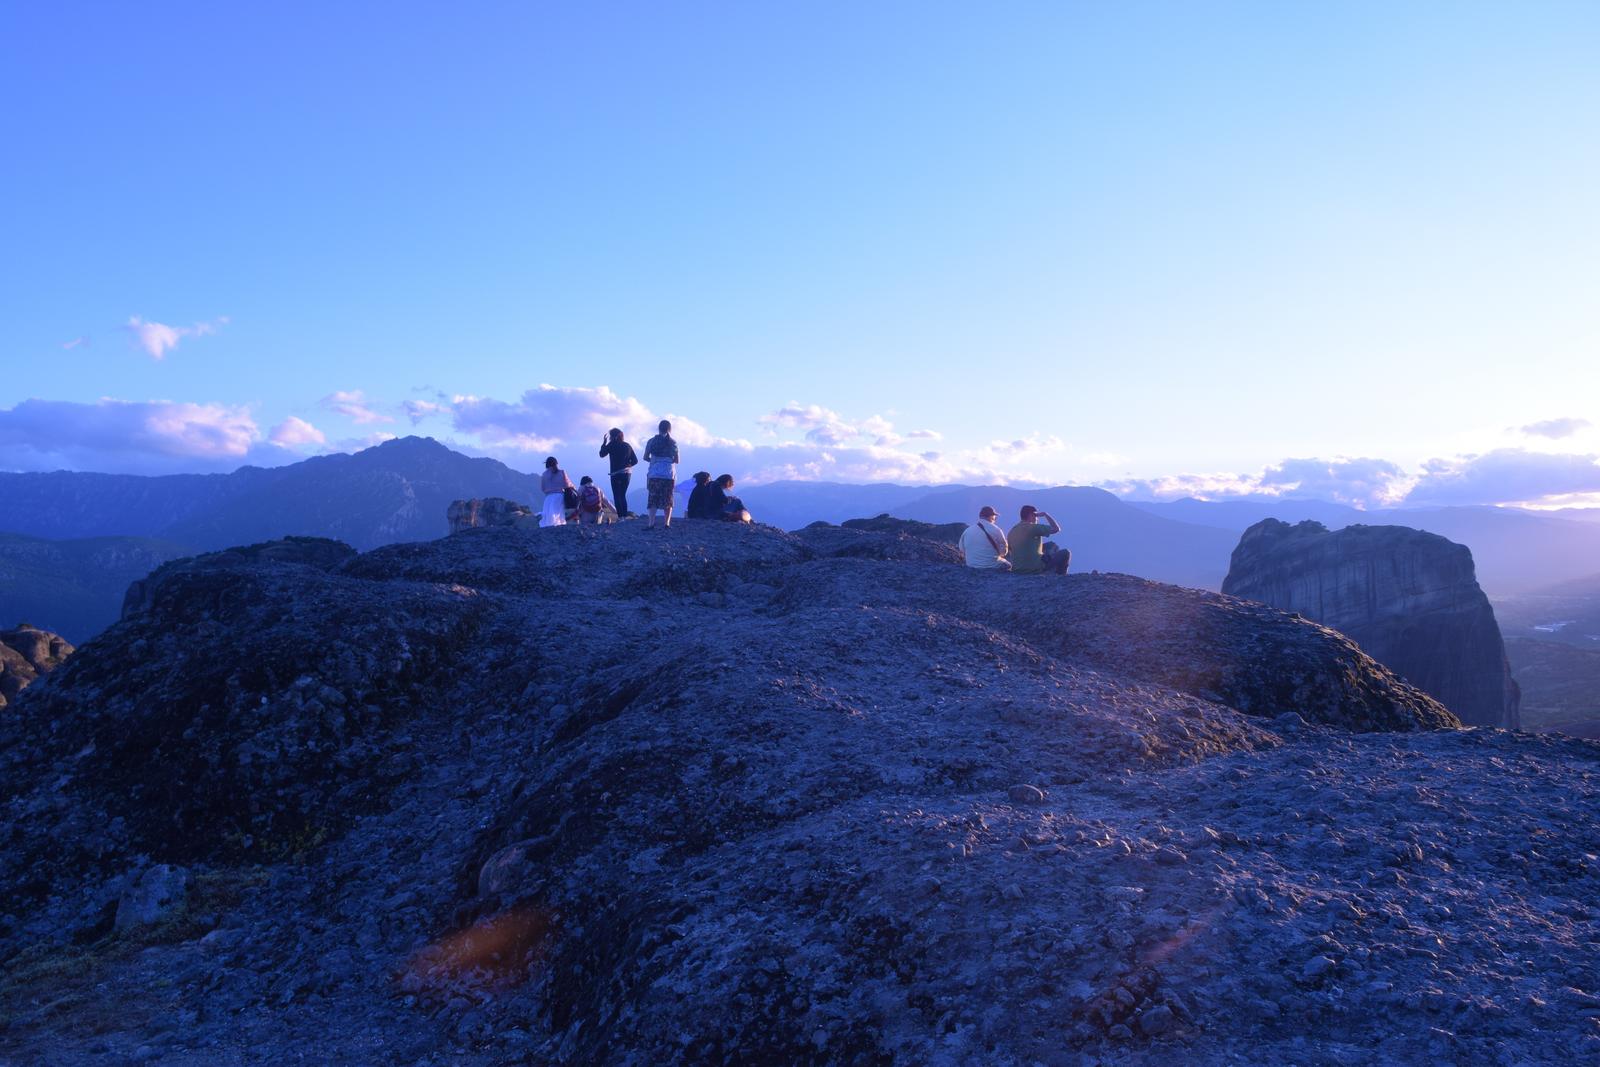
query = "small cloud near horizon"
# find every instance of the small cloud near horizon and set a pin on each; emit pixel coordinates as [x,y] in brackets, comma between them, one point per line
[156,339]
[297,434]
[1555,429]
[352,404]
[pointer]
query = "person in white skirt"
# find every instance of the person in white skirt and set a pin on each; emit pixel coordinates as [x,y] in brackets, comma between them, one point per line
[555,483]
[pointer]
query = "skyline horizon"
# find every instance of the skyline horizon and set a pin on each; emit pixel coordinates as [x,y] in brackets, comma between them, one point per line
[1136,493]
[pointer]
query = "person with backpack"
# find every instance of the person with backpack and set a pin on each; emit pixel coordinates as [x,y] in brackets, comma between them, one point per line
[1026,541]
[983,544]
[661,457]
[591,502]
[700,497]
[555,485]
[623,460]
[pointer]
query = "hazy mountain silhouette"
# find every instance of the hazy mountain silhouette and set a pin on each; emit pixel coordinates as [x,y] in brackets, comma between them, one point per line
[396,491]
[400,491]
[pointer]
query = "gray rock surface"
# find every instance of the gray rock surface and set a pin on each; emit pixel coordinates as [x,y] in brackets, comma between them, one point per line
[610,795]
[1407,597]
[26,654]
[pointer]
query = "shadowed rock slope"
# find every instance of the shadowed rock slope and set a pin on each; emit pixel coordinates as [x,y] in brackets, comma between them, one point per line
[1408,597]
[605,795]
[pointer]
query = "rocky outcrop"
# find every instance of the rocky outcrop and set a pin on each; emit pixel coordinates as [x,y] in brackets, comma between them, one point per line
[1407,597]
[490,511]
[605,795]
[26,653]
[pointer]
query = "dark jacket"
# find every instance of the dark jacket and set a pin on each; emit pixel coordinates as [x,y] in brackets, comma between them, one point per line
[622,455]
[700,502]
[716,501]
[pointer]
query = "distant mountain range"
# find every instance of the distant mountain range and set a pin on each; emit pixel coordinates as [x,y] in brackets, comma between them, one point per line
[399,491]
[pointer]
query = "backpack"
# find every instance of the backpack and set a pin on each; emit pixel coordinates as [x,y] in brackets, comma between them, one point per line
[569,498]
[590,495]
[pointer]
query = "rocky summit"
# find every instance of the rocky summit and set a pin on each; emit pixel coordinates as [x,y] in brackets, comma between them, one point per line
[720,794]
[1407,597]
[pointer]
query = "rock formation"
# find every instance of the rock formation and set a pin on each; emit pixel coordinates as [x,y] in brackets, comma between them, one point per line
[1408,598]
[490,511]
[602,795]
[27,652]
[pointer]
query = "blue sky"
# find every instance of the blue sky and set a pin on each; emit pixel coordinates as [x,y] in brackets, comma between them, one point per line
[1162,246]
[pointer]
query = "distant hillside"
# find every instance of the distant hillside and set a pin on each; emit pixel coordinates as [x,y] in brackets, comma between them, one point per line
[396,491]
[74,587]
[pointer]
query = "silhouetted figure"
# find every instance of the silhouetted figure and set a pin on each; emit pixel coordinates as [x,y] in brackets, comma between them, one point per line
[661,455]
[722,505]
[700,497]
[623,460]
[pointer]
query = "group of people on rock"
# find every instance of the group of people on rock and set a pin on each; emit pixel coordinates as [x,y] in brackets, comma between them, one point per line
[586,503]
[1022,550]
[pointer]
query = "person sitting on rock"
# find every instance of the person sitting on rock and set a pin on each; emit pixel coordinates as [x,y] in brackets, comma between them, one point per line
[554,483]
[661,457]
[983,544]
[700,497]
[591,502]
[1026,541]
[722,505]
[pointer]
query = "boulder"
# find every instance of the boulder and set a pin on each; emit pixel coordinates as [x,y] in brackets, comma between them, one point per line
[489,511]
[1410,599]
[27,653]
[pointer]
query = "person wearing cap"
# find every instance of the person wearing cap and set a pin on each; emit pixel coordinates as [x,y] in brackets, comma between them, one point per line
[983,544]
[1026,543]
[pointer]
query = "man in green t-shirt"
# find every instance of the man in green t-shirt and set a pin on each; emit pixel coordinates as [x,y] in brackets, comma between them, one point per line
[1025,542]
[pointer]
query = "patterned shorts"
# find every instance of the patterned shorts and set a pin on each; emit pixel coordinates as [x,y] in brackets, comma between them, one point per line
[660,493]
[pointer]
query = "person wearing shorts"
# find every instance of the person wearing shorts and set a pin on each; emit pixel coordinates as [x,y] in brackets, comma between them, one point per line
[661,459]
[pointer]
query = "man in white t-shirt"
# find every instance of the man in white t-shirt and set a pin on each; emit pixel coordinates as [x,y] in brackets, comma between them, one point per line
[984,543]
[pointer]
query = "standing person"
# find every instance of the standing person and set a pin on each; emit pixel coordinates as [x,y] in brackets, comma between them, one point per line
[555,483]
[699,496]
[623,460]
[661,474]
[983,544]
[1026,540]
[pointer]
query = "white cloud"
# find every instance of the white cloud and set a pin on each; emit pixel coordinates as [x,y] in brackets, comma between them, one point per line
[1506,476]
[76,342]
[826,427]
[156,339]
[417,410]
[353,405]
[296,433]
[1555,429]
[144,437]
[1360,482]
[544,417]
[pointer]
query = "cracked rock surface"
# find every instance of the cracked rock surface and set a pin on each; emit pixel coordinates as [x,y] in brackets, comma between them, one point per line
[605,795]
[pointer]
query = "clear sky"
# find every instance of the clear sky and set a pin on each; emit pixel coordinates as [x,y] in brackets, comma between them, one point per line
[1164,246]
